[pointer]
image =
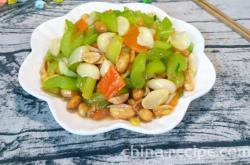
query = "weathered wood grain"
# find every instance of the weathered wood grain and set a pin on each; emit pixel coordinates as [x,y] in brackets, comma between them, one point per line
[218,121]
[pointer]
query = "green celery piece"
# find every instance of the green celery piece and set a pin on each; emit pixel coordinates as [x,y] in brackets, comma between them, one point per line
[90,36]
[165,34]
[52,67]
[90,39]
[177,62]
[58,81]
[177,78]
[165,29]
[91,30]
[79,82]
[70,41]
[117,12]
[76,42]
[87,87]
[155,67]
[190,48]
[49,57]
[148,20]
[97,99]
[70,25]
[166,23]
[109,19]
[65,43]
[138,71]
[156,24]
[155,18]
[133,15]
[97,16]
[129,84]
[162,45]
[73,67]
[87,39]
[67,38]
[129,14]
[53,90]
[157,53]
[165,61]
[114,48]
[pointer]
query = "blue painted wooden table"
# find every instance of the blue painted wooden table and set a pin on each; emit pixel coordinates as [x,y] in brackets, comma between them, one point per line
[215,130]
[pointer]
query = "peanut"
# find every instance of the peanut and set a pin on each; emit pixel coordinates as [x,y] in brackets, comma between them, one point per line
[163,110]
[145,115]
[122,62]
[136,104]
[122,111]
[91,57]
[74,102]
[98,114]
[119,99]
[83,109]
[100,61]
[137,94]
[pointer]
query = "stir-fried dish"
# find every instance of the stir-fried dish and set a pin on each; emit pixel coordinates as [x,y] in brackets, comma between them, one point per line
[125,65]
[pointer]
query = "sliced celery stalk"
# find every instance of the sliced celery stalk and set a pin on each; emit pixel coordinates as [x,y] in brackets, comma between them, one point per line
[114,48]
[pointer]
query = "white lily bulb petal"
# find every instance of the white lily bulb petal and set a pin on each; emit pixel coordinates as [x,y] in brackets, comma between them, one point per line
[105,67]
[54,47]
[77,54]
[155,98]
[145,37]
[162,84]
[64,69]
[88,70]
[122,25]
[180,40]
[103,40]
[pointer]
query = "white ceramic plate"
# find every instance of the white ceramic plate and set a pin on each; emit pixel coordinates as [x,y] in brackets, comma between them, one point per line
[29,76]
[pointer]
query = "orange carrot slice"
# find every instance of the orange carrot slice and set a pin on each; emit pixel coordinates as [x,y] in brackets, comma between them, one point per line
[111,83]
[81,26]
[130,39]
